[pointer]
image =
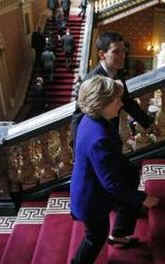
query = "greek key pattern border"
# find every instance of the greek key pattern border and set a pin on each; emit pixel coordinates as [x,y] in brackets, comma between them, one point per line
[31,215]
[58,205]
[151,172]
[7,224]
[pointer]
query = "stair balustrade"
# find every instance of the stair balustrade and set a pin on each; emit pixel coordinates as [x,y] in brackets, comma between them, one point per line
[37,153]
[106,9]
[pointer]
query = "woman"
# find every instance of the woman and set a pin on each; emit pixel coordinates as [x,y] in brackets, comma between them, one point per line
[99,179]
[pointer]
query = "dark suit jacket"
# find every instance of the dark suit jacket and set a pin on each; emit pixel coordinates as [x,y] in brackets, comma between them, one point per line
[101,173]
[52,4]
[48,59]
[65,4]
[130,106]
[37,41]
[68,44]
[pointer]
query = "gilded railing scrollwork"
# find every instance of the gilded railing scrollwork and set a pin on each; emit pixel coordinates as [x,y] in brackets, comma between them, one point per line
[39,150]
[47,156]
[41,159]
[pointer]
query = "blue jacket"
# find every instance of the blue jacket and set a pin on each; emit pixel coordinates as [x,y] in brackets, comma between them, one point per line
[99,179]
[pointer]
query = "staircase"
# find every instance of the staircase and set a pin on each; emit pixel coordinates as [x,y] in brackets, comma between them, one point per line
[44,232]
[61,90]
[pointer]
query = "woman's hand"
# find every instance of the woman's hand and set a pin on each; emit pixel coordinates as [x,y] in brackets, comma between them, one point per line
[151,201]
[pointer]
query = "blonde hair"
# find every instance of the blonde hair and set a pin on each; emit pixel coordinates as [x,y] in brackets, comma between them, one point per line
[96,93]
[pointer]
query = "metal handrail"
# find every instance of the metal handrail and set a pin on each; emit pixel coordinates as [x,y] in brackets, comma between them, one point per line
[41,121]
[136,86]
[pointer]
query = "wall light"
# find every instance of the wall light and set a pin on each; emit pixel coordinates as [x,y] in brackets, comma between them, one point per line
[149,47]
[152,47]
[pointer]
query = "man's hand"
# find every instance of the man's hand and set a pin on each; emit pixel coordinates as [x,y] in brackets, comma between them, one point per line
[151,201]
[153,129]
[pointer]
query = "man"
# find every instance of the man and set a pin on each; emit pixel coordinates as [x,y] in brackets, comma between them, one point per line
[48,59]
[39,95]
[60,24]
[69,47]
[111,52]
[66,8]
[37,43]
[83,7]
[52,5]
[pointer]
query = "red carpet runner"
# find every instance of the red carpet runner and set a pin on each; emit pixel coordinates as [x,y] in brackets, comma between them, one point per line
[114,255]
[53,242]
[6,227]
[21,243]
[56,240]
[60,91]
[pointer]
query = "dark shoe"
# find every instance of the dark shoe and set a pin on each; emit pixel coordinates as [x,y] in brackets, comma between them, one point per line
[125,242]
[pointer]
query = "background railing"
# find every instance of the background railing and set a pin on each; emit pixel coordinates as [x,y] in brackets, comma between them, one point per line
[105,4]
[107,8]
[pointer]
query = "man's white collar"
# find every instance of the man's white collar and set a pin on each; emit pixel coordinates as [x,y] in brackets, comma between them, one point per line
[110,74]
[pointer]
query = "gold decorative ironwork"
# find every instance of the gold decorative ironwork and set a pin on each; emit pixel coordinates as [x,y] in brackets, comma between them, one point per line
[40,159]
[48,156]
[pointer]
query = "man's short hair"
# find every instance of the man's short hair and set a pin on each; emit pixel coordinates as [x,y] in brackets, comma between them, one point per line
[105,39]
